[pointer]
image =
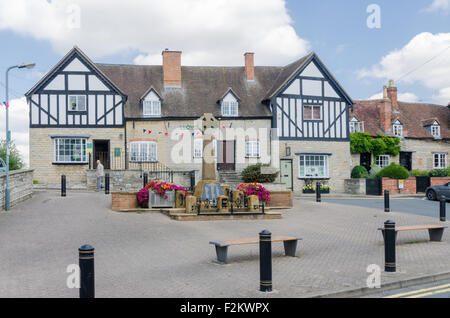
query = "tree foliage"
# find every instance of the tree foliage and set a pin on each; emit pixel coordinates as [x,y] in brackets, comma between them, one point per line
[380,145]
[15,159]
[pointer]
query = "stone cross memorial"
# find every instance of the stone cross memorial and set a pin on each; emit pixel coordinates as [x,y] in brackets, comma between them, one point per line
[209,187]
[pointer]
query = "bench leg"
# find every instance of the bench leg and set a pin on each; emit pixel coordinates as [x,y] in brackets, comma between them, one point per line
[290,248]
[221,254]
[436,234]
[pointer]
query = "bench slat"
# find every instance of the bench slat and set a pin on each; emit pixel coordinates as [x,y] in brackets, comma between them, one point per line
[419,227]
[254,240]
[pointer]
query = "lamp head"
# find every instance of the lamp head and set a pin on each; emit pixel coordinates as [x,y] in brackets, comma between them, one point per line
[27,65]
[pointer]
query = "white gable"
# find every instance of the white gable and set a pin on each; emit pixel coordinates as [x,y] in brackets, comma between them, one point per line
[312,70]
[230,98]
[96,85]
[294,89]
[152,96]
[312,87]
[57,83]
[329,91]
[76,66]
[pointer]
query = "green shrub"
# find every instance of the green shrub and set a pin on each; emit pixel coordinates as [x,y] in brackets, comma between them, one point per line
[440,173]
[374,169]
[253,174]
[420,173]
[359,172]
[15,158]
[393,171]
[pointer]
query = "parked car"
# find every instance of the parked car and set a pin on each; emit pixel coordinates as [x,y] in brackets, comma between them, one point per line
[434,193]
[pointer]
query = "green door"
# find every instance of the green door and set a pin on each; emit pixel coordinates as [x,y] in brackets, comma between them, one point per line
[286,173]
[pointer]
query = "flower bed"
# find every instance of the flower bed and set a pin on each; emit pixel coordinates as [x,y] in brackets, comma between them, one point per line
[255,189]
[159,189]
[312,189]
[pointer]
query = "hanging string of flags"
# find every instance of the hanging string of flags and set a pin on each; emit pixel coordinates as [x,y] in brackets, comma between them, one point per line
[6,104]
[148,131]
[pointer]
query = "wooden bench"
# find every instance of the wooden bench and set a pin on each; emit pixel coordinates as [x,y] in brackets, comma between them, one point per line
[435,231]
[290,245]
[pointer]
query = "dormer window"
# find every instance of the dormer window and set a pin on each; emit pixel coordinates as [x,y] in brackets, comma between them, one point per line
[356,126]
[151,105]
[230,105]
[436,130]
[397,129]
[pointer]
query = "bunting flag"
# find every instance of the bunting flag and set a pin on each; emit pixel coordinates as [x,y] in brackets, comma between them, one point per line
[6,104]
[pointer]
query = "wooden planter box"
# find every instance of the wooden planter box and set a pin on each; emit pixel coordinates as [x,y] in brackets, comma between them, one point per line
[155,201]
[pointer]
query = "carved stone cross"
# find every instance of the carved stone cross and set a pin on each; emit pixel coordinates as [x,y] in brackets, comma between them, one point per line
[207,123]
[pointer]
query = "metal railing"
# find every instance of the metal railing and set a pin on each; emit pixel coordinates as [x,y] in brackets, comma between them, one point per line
[155,170]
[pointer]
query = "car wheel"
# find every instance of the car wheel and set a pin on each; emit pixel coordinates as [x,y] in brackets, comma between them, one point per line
[431,195]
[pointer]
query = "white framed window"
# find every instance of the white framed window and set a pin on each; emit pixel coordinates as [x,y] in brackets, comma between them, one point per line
[252,149]
[440,161]
[313,166]
[356,126]
[397,129]
[230,108]
[144,151]
[383,161]
[198,148]
[77,103]
[312,112]
[436,131]
[70,150]
[151,108]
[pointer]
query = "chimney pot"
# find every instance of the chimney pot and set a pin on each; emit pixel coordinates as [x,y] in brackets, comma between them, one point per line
[392,95]
[172,68]
[250,66]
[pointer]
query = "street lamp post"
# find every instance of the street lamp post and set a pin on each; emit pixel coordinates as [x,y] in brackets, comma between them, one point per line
[8,134]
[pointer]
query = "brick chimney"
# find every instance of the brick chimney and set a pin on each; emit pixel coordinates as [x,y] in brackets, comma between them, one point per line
[392,95]
[172,68]
[385,115]
[250,66]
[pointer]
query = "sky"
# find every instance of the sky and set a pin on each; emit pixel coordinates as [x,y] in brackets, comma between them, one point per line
[363,43]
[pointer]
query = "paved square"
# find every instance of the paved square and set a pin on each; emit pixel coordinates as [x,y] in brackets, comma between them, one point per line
[149,255]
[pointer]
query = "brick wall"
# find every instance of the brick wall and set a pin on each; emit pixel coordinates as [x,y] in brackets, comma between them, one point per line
[124,200]
[410,186]
[20,185]
[439,181]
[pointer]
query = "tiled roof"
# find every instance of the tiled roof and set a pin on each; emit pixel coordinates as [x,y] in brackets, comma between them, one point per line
[413,116]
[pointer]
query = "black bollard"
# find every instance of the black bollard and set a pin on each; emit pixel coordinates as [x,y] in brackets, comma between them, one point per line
[442,209]
[318,195]
[386,201]
[265,261]
[107,183]
[63,185]
[87,281]
[145,179]
[389,246]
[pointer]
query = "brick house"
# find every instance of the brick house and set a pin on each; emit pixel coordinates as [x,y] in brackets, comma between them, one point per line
[423,130]
[133,117]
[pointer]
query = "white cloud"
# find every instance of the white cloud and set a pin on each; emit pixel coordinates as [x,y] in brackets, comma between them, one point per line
[18,125]
[208,32]
[404,97]
[425,47]
[442,6]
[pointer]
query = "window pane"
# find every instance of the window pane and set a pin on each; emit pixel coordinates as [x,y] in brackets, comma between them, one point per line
[307,112]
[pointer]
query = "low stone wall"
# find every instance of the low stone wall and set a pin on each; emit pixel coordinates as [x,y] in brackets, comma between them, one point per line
[124,201]
[20,185]
[131,180]
[355,186]
[281,199]
[439,180]
[410,186]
